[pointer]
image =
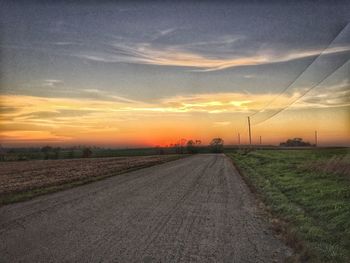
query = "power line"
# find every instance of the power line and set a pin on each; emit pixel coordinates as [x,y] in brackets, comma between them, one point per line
[307,91]
[302,72]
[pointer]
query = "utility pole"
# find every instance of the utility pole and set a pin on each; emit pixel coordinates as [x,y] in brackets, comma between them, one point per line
[315,138]
[239,139]
[260,139]
[250,134]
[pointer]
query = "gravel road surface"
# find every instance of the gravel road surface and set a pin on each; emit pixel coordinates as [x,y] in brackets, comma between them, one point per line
[196,209]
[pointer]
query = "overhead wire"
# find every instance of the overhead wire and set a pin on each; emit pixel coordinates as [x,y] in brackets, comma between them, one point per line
[301,73]
[303,94]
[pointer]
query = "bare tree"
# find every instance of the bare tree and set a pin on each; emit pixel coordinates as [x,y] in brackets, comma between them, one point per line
[192,146]
[217,145]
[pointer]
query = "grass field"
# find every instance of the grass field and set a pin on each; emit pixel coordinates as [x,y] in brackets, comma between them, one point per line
[307,193]
[22,180]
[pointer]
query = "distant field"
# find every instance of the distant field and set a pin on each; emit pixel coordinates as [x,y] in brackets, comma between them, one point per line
[308,194]
[24,179]
[20,154]
[24,154]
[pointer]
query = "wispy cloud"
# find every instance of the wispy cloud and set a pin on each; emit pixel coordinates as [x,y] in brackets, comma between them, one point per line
[221,123]
[163,32]
[146,53]
[200,55]
[100,94]
[52,83]
[32,136]
[58,109]
[65,43]
[330,96]
[167,31]
[60,119]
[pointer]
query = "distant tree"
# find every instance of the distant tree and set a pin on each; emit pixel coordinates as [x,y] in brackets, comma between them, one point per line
[57,151]
[296,142]
[87,152]
[192,146]
[46,151]
[217,145]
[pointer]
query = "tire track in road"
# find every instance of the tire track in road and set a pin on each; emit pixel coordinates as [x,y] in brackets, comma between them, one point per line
[156,219]
[192,189]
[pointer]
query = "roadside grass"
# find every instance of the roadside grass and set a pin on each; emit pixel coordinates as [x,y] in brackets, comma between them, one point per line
[20,196]
[307,192]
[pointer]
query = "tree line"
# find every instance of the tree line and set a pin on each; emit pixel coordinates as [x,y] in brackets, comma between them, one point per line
[47,152]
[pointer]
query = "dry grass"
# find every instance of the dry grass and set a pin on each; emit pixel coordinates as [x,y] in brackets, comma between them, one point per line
[18,178]
[339,165]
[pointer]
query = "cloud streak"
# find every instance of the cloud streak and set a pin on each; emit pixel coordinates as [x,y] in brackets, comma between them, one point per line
[52,83]
[145,53]
[38,119]
[182,56]
[200,55]
[30,107]
[330,96]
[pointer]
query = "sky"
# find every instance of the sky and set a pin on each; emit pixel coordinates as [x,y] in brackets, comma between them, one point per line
[131,74]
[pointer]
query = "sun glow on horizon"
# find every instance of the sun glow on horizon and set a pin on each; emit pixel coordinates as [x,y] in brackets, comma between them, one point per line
[37,120]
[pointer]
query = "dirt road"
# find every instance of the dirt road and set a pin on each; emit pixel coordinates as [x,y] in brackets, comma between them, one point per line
[195,209]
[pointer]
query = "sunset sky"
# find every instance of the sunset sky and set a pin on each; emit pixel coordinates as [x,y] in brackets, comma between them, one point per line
[137,74]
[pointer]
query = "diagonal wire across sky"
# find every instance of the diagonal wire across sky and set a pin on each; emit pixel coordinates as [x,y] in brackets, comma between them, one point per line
[343,35]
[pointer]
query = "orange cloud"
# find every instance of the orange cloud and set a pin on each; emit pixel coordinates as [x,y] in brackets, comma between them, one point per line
[200,116]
